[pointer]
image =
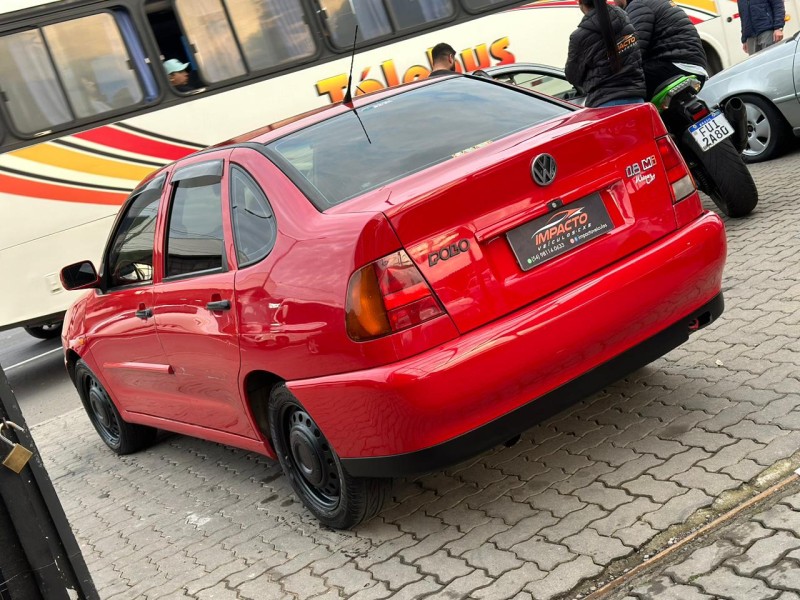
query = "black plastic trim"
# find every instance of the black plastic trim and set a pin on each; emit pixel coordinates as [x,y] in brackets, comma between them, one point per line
[517,421]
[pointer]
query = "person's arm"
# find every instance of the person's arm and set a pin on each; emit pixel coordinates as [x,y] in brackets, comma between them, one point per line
[575,69]
[742,7]
[643,20]
[779,17]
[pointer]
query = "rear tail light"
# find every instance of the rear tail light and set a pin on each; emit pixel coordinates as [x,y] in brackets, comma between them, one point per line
[678,175]
[387,296]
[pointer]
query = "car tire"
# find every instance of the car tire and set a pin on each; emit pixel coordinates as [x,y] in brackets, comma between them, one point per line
[119,435]
[44,332]
[767,130]
[314,470]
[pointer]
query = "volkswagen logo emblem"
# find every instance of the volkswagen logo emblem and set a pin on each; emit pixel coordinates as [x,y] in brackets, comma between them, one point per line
[544,169]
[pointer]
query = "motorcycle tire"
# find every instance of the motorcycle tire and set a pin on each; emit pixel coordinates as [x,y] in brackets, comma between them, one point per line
[722,174]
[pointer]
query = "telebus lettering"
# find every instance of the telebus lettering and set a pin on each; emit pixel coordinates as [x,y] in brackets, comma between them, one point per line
[472,59]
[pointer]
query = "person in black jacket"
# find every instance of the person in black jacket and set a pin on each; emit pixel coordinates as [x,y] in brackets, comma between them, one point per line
[762,23]
[668,41]
[603,57]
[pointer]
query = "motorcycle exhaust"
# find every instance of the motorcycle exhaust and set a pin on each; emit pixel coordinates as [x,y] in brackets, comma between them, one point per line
[737,115]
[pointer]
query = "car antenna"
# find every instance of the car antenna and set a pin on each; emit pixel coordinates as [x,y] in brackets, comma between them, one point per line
[348,96]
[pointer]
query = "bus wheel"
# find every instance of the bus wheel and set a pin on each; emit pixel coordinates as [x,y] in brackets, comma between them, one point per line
[44,332]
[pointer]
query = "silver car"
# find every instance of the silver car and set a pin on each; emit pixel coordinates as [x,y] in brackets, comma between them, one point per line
[766,84]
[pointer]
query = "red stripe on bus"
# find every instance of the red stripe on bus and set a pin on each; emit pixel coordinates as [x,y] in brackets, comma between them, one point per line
[48,191]
[131,142]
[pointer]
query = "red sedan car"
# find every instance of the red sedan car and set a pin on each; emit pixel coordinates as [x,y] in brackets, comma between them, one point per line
[392,285]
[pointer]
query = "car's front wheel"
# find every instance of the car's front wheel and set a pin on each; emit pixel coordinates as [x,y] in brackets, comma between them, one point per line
[119,435]
[314,469]
[44,332]
[767,130]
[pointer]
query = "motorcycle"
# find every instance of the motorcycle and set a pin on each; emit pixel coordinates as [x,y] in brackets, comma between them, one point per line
[711,141]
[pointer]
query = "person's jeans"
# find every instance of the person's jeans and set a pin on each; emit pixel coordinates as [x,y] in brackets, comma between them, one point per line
[621,101]
[761,41]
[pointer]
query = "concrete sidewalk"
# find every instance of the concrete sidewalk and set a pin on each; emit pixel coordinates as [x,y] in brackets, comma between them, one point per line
[580,498]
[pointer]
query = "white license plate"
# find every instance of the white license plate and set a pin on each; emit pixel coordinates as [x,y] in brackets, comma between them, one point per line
[711,130]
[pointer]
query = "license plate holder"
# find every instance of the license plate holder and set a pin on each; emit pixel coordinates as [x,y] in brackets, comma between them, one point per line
[556,233]
[711,130]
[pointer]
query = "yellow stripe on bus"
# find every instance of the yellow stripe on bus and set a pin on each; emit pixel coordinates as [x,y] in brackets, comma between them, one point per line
[706,5]
[64,158]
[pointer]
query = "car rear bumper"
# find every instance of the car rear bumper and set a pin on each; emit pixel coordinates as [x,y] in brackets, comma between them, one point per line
[466,396]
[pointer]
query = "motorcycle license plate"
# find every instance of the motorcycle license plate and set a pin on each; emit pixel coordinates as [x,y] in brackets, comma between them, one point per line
[711,130]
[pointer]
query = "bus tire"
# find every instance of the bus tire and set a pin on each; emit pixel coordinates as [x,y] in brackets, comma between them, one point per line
[44,332]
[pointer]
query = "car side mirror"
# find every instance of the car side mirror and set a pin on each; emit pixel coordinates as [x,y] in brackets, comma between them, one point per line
[80,276]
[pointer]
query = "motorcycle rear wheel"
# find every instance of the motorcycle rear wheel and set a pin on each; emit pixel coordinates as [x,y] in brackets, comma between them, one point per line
[722,174]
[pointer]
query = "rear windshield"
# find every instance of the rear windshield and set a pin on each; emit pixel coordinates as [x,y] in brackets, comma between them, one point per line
[358,151]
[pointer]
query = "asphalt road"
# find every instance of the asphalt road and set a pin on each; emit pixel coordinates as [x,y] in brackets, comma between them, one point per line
[35,370]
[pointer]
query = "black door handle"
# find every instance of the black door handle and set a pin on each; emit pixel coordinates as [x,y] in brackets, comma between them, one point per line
[219,305]
[144,313]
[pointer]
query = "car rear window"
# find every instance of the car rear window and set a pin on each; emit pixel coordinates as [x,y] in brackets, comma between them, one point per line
[361,150]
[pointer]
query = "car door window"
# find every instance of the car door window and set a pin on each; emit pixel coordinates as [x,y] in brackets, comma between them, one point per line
[254,228]
[545,84]
[195,239]
[130,256]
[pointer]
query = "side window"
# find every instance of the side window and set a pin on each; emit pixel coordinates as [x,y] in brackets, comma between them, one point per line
[233,37]
[194,239]
[130,256]
[377,19]
[254,227]
[67,71]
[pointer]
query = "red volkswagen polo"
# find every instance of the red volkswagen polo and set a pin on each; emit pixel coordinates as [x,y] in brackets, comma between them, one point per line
[393,285]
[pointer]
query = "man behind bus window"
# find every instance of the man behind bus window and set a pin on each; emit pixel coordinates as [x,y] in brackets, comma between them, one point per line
[443,60]
[762,23]
[178,75]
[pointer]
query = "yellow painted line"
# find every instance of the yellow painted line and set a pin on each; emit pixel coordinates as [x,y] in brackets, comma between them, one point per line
[66,158]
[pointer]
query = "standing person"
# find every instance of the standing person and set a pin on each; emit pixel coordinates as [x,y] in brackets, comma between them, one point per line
[443,60]
[762,23]
[668,41]
[603,58]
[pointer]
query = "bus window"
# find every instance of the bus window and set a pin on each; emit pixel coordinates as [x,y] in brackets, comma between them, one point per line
[377,19]
[232,37]
[66,71]
[92,61]
[31,92]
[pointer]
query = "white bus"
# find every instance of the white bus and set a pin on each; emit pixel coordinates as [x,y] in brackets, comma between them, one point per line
[86,109]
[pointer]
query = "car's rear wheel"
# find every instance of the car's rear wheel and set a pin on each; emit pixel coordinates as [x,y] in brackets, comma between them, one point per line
[122,437]
[314,469]
[767,130]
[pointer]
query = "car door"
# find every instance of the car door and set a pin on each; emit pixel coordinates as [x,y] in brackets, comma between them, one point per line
[195,301]
[124,350]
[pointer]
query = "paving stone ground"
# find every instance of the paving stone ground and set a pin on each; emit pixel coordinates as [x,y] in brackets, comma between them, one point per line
[591,486]
[754,556]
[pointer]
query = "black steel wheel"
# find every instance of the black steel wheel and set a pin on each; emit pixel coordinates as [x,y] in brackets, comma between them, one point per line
[314,469]
[119,435]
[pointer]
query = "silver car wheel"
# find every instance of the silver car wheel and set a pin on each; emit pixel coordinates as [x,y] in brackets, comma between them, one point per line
[759,131]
